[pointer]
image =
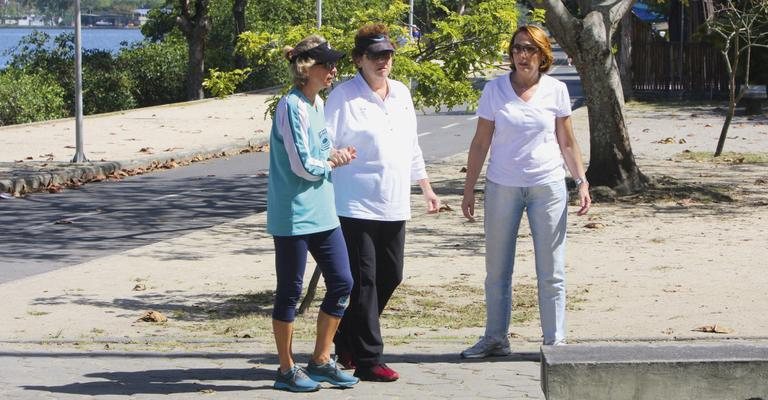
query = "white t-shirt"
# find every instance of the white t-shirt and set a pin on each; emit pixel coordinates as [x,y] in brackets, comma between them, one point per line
[377,184]
[524,149]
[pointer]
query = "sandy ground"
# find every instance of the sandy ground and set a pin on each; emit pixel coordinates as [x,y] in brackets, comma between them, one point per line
[648,268]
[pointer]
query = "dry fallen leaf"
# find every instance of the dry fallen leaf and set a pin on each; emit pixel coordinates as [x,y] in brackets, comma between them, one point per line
[667,140]
[444,207]
[147,150]
[594,225]
[153,316]
[713,329]
[139,287]
[463,169]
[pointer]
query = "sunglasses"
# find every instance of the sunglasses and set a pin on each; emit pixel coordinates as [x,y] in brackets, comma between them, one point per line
[524,49]
[329,65]
[380,56]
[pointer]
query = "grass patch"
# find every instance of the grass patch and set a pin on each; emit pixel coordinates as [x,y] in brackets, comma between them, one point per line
[725,158]
[36,313]
[449,306]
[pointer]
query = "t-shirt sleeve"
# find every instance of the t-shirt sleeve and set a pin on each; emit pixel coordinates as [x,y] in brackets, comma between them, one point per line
[563,100]
[485,109]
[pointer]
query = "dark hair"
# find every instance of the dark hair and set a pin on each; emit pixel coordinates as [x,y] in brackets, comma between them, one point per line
[541,40]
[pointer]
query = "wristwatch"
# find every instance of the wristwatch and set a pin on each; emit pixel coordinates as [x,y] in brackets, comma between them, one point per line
[579,181]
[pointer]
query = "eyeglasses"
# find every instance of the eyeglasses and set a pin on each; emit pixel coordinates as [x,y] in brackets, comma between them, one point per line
[380,56]
[524,49]
[329,65]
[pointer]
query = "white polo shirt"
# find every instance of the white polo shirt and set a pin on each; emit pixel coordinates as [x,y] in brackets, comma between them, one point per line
[524,149]
[377,184]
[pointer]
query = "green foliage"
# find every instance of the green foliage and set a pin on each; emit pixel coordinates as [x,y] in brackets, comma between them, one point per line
[106,87]
[29,97]
[537,16]
[439,65]
[222,84]
[156,70]
[160,23]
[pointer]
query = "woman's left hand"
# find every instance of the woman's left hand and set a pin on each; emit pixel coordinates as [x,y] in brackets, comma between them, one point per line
[585,200]
[433,202]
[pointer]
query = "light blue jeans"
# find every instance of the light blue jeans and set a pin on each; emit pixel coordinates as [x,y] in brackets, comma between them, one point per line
[546,207]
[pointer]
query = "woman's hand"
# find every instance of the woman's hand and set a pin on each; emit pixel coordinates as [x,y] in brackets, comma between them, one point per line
[343,156]
[585,200]
[468,205]
[433,202]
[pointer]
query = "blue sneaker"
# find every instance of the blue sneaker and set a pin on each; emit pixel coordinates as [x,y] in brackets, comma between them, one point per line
[295,380]
[330,372]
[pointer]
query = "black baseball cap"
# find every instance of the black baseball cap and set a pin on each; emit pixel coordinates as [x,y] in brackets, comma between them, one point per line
[322,53]
[374,44]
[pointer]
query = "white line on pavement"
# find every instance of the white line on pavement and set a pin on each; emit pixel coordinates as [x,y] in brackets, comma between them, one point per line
[425,133]
[451,125]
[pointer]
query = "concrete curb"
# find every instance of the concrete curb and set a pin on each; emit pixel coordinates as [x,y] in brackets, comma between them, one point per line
[21,178]
[655,371]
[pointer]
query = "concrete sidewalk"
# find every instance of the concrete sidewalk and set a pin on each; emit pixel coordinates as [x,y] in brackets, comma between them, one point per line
[246,370]
[37,155]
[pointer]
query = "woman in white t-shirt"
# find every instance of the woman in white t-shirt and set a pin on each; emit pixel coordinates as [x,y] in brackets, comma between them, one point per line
[375,115]
[525,121]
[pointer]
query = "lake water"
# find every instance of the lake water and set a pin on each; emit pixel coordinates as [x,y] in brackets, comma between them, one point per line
[93,38]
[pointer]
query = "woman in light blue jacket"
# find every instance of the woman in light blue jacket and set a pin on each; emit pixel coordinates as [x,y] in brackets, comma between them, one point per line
[302,218]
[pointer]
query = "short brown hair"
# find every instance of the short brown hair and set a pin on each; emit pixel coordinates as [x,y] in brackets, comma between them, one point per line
[541,40]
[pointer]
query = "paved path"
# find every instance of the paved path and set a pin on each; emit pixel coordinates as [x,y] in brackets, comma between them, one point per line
[243,370]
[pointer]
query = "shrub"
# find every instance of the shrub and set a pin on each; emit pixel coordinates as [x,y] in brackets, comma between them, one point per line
[29,97]
[106,87]
[222,84]
[157,71]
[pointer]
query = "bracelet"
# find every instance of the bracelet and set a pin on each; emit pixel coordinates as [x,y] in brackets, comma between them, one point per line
[579,181]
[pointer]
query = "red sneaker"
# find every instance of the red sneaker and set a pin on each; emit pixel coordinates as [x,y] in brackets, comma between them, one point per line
[345,360]
[377,373]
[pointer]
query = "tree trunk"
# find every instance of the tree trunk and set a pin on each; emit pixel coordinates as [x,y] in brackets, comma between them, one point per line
[625,55]
[195,68]
[611,161]
[195,26]
[238,12]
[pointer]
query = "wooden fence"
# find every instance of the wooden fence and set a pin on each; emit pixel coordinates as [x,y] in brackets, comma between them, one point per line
[690,70]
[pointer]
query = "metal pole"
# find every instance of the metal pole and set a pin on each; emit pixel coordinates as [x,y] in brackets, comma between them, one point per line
[319,13]
[79,153]
[410,20]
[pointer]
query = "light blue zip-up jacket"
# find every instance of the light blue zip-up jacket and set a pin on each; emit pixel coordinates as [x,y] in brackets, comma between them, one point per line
[300,193]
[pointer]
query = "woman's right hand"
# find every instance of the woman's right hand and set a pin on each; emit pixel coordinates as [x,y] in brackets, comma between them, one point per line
[468,206]
[343,156]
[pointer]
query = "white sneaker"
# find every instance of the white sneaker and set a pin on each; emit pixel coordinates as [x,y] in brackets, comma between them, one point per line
[486,347]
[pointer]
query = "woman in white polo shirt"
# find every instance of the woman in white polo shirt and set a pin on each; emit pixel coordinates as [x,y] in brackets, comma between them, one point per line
[525,121]
[375,115]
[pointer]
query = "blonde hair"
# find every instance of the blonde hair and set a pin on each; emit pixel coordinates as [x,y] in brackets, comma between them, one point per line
[541,40]
[299,66]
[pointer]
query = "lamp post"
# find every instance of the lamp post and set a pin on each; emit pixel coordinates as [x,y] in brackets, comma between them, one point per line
[410,20]
[319,13]
[79,153]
